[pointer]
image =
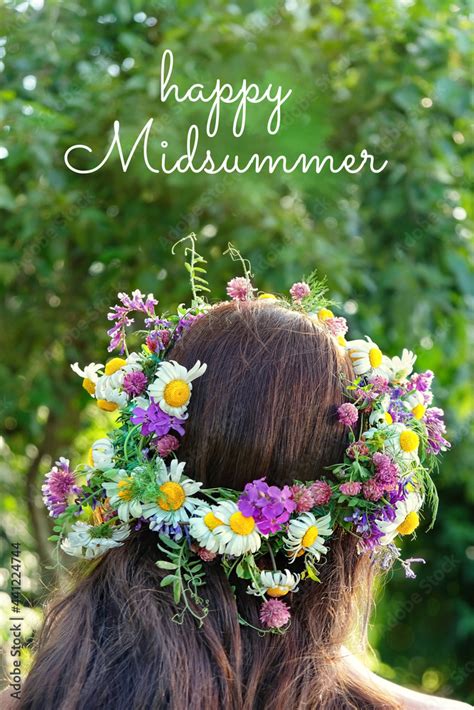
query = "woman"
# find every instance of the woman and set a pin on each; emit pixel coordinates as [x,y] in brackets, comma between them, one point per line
[266,407]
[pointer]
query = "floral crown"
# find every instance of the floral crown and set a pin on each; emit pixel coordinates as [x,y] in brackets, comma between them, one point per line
[133,476]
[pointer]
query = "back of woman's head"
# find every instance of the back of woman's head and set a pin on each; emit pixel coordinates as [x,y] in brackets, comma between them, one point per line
[265,407]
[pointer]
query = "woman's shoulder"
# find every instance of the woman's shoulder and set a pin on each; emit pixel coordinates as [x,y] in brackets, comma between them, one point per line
[408,699]
[7,702]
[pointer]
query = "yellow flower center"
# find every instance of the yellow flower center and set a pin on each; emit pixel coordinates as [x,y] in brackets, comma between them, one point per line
[375,357]
[90,457]
[310,536]
[88,385]
[267,295]
[173,496]
[325,313]
[418,411]
[177,393]
[211,521]
[277,591]
[107,406]
[410,524]
[125,489]
[341,340]
[240,524]
[113,365]
[388,418]
[409,441]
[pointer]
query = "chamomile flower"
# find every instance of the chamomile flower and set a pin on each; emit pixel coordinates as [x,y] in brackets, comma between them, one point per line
[122,493]
[238,533]
[366,356]
[174,500]
[90,541]
[306,533]
[101,454]
[275,584]
[415,403]
[380,417]
[202,528]
[173,385]
[90,375]
[402,443]
[397,368]
[109,391]
[406,518]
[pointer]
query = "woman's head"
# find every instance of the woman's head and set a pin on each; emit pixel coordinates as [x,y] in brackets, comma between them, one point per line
[265,407]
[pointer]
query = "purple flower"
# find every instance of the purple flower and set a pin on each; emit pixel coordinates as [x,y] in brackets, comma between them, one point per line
[134,383]
[356,449]
[299,291]
[337,326]
[421,381]
[373,490]
[321,491]
[386,471]
[347,414]
[270,506]
[274,614]
[58,487]
[240,289]
[185,323]
[155,421]
[406,564]
[436,429]
[136,303]
[366,526]
[158,340]
[380,385]
[166,444]
[303,498]
[351,488]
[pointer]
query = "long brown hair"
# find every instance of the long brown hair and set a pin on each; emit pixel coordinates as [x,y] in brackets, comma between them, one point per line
[265,407]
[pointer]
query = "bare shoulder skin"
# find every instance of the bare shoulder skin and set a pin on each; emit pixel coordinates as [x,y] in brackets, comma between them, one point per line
[408,699]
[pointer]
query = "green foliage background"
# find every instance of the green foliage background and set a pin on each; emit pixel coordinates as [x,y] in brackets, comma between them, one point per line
[386,75]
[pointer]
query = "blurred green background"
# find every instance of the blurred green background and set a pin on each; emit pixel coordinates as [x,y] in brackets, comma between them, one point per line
[389,76]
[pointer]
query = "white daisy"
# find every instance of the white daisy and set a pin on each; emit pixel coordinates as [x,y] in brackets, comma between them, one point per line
[415,403]
[397,368]
[174,502]
[406,518]
[275,584]
[122,495]
[202,528]
[306,533]
[101,454]
[109,386]
[89,541]
[380,417]
[402,443]
[90,375]
[173,385]
[366,356]
[238,533]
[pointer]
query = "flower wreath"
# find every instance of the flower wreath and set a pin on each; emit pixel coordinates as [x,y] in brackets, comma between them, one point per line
[133,476]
